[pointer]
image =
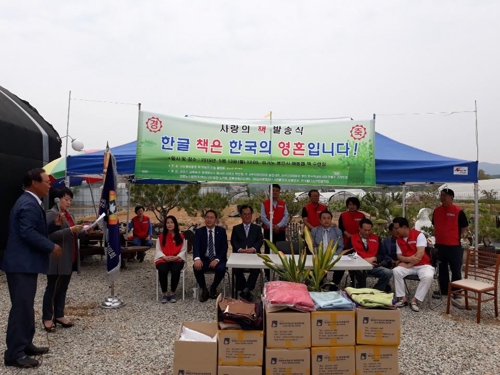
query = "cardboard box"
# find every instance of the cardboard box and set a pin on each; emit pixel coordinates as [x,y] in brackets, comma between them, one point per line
[288,361]
[338,360]
[288,329]
[333,328]
[376,360]
[240,347]
[378,327]
[196,358]
[240,370]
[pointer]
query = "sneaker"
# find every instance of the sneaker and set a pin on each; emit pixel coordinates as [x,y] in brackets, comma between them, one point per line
[436,295]
[456,297]
[165,299]
[401,303]
[172,299]
[414,307]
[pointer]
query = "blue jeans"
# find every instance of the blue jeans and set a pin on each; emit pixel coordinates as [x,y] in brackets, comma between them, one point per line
[383,274]
[141,242]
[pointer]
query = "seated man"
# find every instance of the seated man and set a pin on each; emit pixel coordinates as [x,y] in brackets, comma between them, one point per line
[143,230]
[246,238]
[367,245]
[324,234]
[209,253]
[413,261]
[389,256]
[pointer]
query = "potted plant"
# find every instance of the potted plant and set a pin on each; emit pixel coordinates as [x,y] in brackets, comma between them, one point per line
[292,268]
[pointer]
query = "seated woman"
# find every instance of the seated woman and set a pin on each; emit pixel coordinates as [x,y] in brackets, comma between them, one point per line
[170,256]
[143,230]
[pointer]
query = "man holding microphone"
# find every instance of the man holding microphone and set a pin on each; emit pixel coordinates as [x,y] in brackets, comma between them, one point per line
[27,254]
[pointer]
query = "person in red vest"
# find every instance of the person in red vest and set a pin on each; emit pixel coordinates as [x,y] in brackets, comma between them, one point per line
[413,260]
[143,230]
[280,220]
[367,245]
[349,220]
[450,223]
[312,210]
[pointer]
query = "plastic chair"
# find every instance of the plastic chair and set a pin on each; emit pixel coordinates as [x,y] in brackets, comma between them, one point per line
[433,254]
[481,279]
[183,274]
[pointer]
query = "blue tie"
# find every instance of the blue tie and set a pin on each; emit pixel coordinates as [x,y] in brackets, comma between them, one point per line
[211,252]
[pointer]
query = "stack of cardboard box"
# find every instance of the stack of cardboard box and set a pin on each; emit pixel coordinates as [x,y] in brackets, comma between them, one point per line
[377,337]
[288,342]
[333,339]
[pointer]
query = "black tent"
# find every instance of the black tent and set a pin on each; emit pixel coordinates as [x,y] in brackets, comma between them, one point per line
[27,141]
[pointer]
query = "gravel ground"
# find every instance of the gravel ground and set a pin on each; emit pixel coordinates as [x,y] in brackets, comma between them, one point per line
[138,338]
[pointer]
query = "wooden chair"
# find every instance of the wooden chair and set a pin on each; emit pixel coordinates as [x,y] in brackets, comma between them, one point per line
[481,279]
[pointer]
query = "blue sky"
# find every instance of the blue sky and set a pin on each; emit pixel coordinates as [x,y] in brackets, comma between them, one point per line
[300,59]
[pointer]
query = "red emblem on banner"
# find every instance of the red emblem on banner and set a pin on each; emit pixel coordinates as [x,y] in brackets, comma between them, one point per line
[154,124]
[358,132]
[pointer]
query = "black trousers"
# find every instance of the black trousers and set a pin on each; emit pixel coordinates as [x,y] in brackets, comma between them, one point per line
[219,270]
[21,324]
[242,283]
[449,256]
[54,299]
[175,269]
[280,236]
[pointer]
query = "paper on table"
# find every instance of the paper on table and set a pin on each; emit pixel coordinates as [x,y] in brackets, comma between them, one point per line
[87,227]
[345,257]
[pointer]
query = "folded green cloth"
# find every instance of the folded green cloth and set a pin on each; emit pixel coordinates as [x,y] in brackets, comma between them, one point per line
[370,298]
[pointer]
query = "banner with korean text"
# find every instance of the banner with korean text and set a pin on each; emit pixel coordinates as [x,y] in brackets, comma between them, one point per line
[289,152]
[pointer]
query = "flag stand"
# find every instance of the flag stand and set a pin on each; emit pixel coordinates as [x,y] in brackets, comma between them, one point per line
[112,302]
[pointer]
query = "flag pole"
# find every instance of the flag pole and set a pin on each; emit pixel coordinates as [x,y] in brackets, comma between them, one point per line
[111,243]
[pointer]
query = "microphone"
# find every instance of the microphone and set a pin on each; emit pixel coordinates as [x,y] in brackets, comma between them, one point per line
[56,201]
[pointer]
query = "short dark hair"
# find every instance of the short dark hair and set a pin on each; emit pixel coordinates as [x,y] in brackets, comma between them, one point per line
[449,192]
[312,191]
[137,208]
[391,226]
[354,201]
[277,187]
[402,221]
[212,211]
[325,212]
[244,207]
[34,174]
[365,221]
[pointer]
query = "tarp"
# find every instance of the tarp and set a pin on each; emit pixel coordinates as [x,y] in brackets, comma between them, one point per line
[395,164]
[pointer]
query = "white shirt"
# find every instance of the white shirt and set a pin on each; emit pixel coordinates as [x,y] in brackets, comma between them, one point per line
[421,242]
[36,197]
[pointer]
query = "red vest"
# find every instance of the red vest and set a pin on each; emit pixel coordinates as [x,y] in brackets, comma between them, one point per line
[350,221]
[141,229]
[359,247]
[170,248]
[409,247]
[278,213]
[313,214]
[446,230]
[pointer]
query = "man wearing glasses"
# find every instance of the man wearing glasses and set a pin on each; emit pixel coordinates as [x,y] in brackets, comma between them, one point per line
[450,223]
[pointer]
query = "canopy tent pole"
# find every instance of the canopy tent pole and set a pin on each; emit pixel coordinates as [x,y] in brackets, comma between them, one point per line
[403,203]
[476,186]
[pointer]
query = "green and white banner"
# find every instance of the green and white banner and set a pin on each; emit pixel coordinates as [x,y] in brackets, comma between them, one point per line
[290,152]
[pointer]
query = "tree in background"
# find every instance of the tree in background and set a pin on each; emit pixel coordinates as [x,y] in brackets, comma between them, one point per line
[490,196]
[209,201]
[161,199]
[382,204]
[482,175]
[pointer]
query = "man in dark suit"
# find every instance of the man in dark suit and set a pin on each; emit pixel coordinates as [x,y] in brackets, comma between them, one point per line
[246,238]
[209,253]
[27,254]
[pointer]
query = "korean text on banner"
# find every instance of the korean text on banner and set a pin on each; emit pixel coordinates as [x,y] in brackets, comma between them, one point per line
[311,153]
[107,205]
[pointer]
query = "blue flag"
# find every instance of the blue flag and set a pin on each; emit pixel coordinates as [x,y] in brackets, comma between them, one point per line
[107,205]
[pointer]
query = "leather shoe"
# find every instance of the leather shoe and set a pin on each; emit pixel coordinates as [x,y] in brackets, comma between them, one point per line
[24,362]
[204,295]
[36,350]
[213,293]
